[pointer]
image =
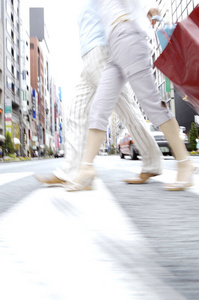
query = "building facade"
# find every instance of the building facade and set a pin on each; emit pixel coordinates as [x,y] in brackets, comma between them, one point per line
[2,131]
[25,94]
[12,68]
[37,84]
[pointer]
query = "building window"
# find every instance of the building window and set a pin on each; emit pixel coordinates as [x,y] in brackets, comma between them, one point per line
[1,93]
[13,70]
[31,46]
[16,91]
[12,18]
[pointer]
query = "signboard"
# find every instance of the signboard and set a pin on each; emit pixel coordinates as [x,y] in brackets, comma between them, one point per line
[34,104]
[8,115]
[60,93]
[167,85]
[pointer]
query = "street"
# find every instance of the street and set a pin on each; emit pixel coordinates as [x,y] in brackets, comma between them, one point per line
[118,241]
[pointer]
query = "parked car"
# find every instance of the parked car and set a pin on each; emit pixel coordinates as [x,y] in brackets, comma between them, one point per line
[127,146]
[59,153]
[184,136]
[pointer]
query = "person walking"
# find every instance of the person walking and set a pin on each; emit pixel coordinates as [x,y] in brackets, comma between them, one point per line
[95,54]
[129,61]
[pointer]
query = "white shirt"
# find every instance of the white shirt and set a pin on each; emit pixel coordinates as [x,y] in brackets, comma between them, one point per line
[136,10]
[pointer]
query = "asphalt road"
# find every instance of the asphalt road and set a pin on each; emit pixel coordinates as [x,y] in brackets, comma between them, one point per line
[167,221]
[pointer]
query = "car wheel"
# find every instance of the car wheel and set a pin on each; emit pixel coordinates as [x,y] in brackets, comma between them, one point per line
[133,154]
[121,154]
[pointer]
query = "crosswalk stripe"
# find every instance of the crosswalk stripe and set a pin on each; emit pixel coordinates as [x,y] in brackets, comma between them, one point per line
[9,177]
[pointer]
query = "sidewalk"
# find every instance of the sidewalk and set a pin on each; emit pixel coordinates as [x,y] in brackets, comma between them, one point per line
[69,246]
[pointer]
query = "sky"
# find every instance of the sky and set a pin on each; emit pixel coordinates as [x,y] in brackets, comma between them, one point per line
[61,23]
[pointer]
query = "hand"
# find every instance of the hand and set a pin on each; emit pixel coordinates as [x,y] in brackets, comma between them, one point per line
[152,12]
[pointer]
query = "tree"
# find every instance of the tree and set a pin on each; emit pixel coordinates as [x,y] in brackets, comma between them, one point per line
[193,135]
[8,146]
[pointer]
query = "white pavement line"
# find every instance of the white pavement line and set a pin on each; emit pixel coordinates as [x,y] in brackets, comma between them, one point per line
[9,177]
[78,245]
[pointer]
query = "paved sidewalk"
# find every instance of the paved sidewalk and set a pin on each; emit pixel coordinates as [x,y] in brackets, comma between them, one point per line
[57,245]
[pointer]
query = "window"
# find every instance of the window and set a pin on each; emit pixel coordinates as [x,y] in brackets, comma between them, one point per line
[9,83]
[12,18]
[16,91]
[31,46]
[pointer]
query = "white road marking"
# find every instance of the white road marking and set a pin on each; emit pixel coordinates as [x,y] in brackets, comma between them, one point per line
[9,177]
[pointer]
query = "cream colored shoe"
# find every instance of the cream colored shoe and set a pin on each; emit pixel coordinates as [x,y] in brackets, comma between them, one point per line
[186,171]
[83,180]
[50,180]
[142,178]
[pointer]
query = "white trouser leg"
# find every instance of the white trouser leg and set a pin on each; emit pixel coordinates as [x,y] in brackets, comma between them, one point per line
[76,130]
[130,115]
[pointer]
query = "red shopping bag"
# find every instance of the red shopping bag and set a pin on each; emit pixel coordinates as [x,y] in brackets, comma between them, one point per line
[180,59]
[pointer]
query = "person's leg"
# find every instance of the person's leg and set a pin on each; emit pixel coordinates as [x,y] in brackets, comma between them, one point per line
[185,167]
[144,87]
[76,129]
[76,122]
[103,104]
[134,61]
[130,115]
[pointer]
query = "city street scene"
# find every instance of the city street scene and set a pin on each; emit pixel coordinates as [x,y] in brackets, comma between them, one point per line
[97,205]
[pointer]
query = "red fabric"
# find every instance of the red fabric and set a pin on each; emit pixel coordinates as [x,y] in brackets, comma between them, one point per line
[180,59]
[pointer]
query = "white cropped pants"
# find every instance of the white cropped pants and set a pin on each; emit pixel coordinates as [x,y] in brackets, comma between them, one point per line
[129,61]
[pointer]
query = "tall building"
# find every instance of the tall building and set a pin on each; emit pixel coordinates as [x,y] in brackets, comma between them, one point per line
[26,105]
[37,84]
[12,69]
[39,31]
[2,131]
